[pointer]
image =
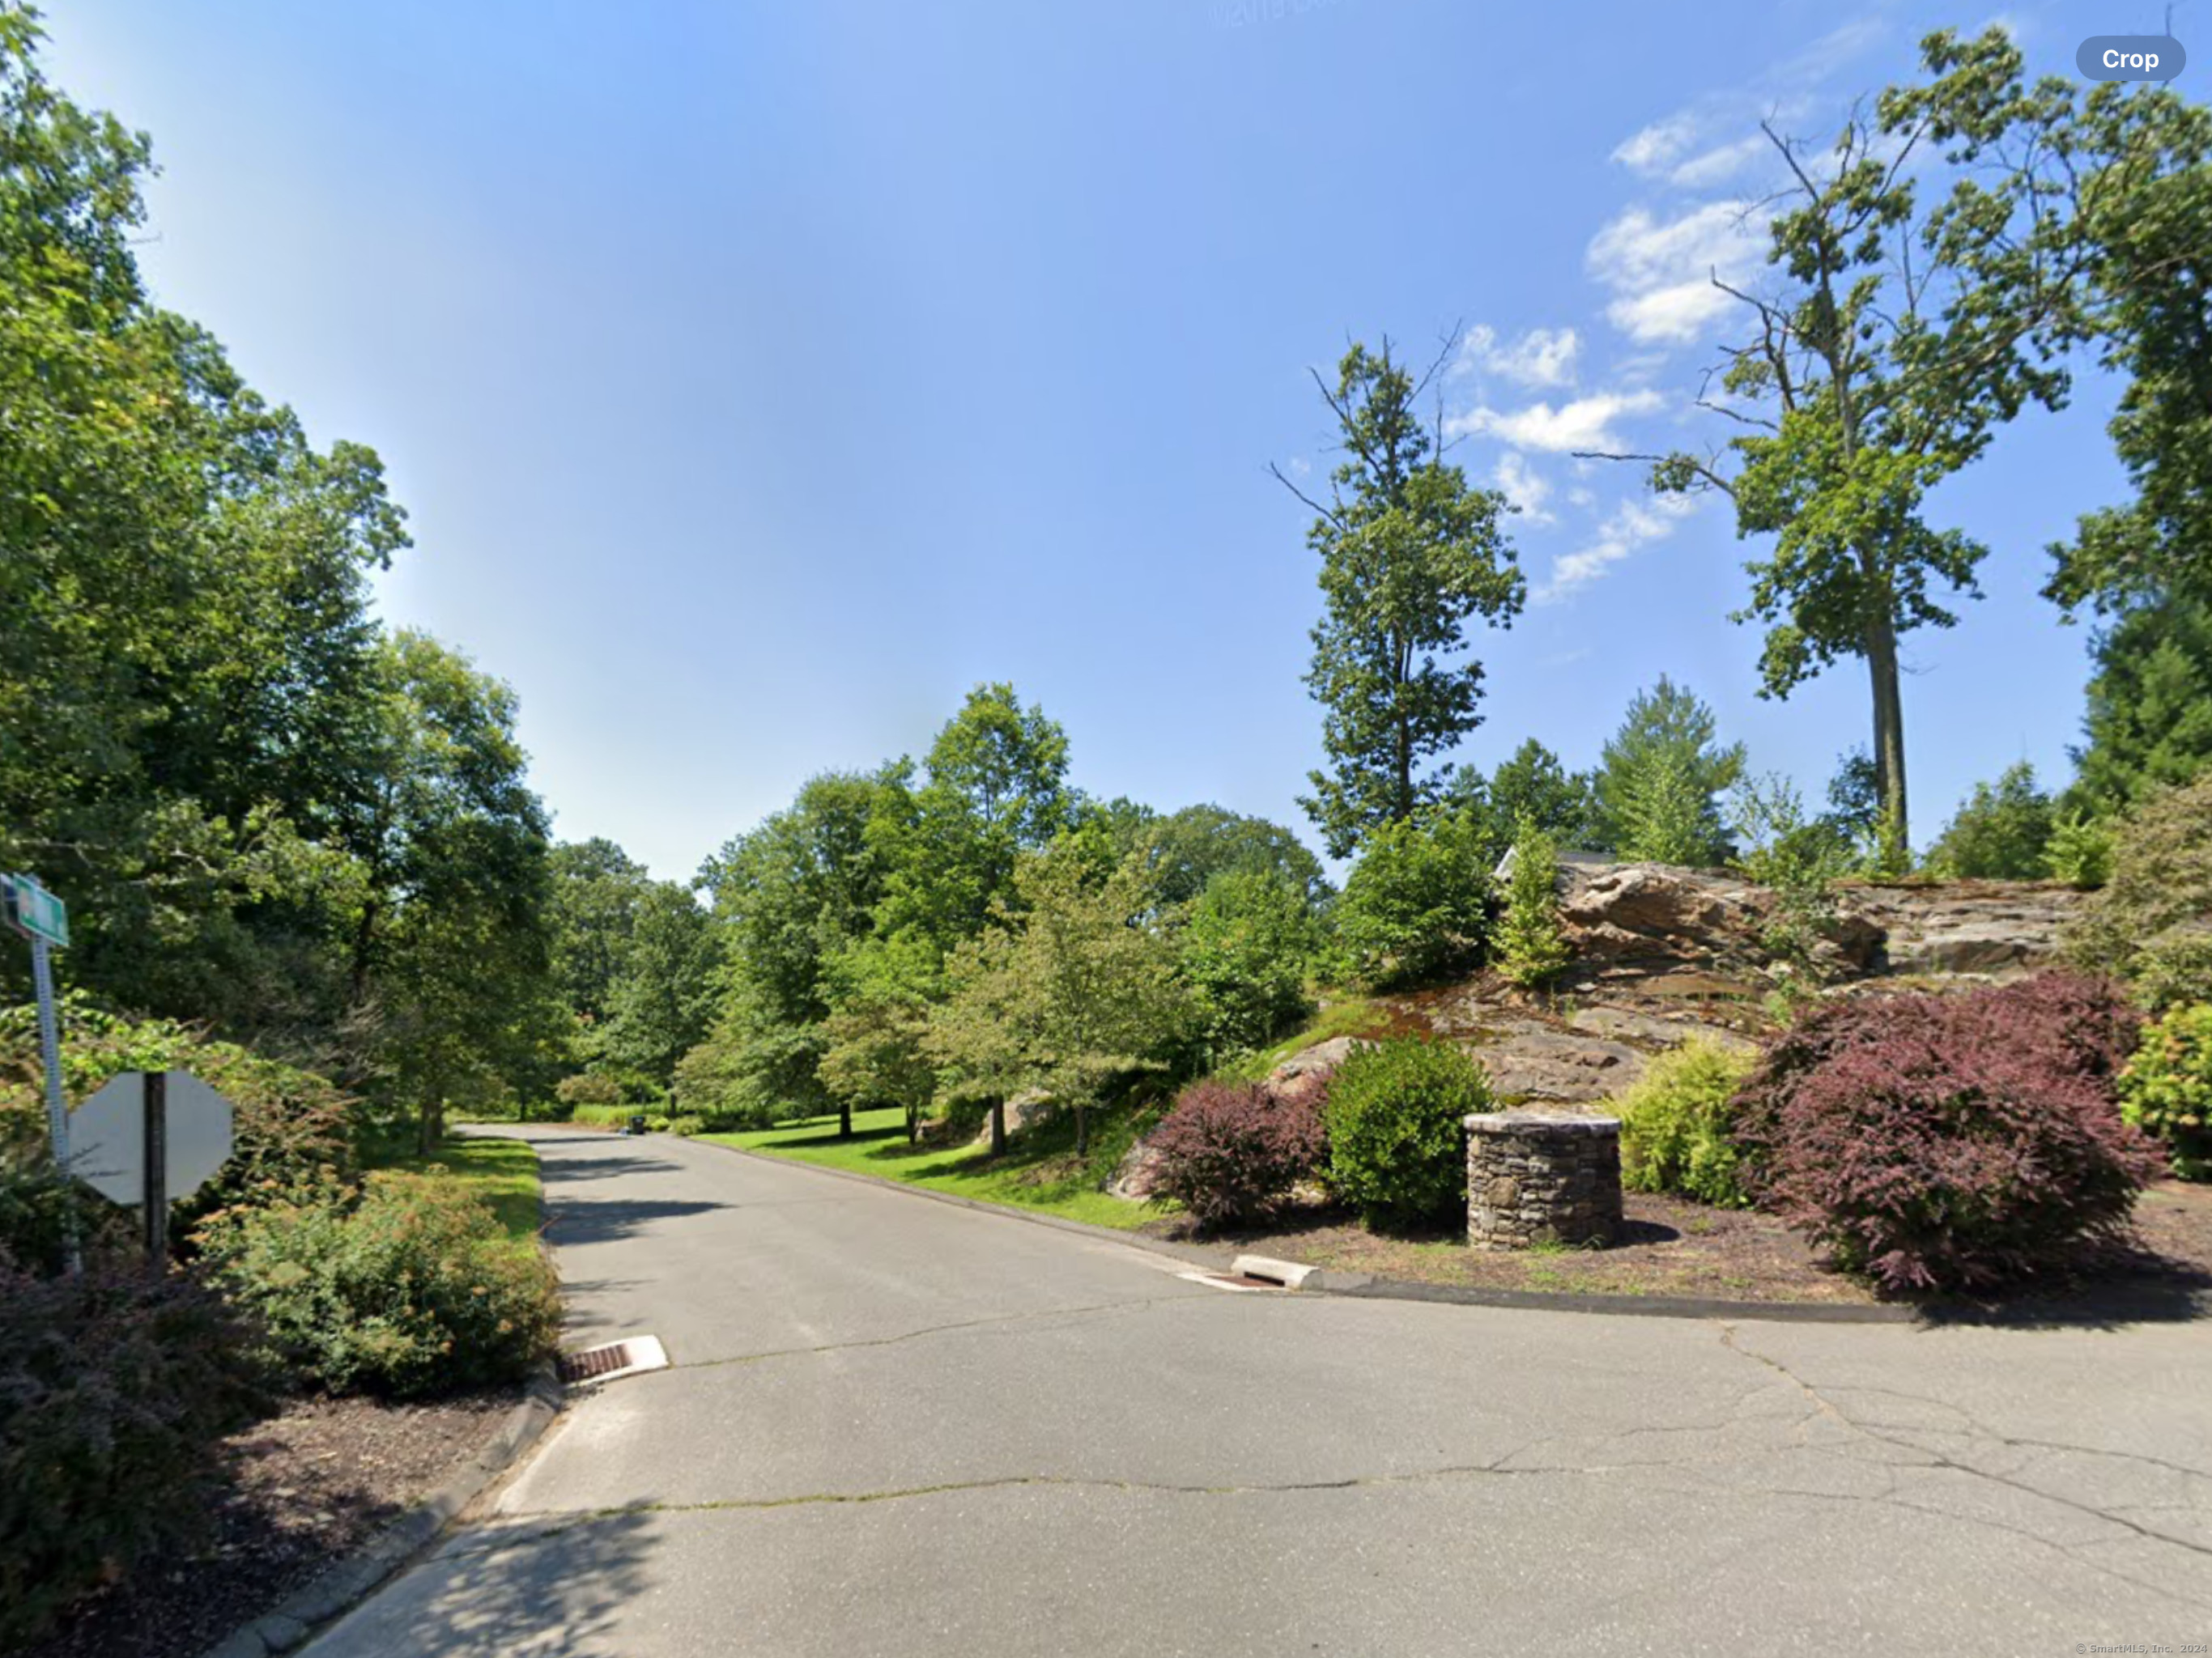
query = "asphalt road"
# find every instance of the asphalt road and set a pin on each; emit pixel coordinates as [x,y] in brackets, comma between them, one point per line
[897,1426]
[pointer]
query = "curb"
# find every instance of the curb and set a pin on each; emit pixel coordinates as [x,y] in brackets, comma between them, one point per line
[1366,1287]
[350,1581]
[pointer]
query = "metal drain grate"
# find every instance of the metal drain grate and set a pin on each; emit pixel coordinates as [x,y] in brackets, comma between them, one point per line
[1229,1281]
[613,1359]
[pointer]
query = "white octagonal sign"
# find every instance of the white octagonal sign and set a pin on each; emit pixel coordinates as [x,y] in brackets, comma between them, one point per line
[108,1137]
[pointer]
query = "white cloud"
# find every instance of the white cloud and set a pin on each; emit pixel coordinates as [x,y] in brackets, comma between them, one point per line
[1661,271]
[1660,145]
[1583,423]
[1634,523]
[1542,356]
[1838,47]
[1523,485]
[1721,163]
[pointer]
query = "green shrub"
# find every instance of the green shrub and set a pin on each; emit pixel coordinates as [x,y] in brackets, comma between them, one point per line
[2081,852]
[588,1088]
[1415,906]
[2167,1089]
[1397,1138]
[2149,924]
[407,1287]
[1531,949]
[1675,1122]
[1251,938]
[2001,832]
[1797,857]
[117,1390]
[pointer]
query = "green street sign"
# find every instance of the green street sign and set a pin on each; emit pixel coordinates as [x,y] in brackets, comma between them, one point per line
[36,913]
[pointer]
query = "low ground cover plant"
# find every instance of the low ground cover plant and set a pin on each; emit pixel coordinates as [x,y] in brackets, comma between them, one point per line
[1676,1123]
[1397,1138]
[406,1286]
[2167,1089]
[1949,1143]
[1229,1152]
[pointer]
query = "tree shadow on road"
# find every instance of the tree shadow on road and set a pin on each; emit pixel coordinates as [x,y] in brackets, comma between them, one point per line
[560,1170]
[604,1220]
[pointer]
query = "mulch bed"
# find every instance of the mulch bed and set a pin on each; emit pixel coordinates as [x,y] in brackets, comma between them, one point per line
[312,1485]
[1669,1246]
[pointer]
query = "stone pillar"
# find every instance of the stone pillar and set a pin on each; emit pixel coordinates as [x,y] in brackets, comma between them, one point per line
[1541,1177]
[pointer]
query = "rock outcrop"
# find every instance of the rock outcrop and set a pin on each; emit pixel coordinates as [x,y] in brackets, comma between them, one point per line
[1963,926]
[1631,919]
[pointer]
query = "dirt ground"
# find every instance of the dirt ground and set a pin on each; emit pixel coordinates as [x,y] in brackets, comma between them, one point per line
[1669,1246]
[313,1485]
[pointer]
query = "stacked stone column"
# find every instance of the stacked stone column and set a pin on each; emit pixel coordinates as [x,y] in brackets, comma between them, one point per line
[1541,1177]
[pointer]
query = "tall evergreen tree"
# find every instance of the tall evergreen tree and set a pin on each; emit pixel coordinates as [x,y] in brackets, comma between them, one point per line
[2149,719]
[1659,781]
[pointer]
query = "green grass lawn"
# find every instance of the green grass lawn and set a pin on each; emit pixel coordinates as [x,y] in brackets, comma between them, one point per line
[1044,1173]
[504,1173]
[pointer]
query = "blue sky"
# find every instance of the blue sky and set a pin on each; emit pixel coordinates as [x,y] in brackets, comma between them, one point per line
[760,378]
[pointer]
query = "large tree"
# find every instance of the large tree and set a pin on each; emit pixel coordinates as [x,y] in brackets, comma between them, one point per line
[453,999]
[1922,271]
[2147,308]
[1071,985]
[1410,553]
[790,897]
[186,705]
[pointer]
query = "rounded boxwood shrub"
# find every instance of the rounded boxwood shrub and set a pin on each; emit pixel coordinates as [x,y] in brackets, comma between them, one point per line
[1676,1123]
[1397,1138]
[1229,1152]
[1949,1143]
[408,1287]
[2167,1089]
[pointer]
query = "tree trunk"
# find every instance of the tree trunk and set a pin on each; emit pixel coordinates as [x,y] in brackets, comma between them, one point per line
[914,1125]
[998,1128]
[430,1127]
[1888,729]
[844,1119]
[1082,1128]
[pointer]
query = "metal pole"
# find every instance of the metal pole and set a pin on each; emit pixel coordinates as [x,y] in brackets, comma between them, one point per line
[157,1169]
[50,1048]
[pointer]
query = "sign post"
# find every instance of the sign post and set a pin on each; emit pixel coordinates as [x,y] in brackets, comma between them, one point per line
[157,1167]
[43,918]
[148,1138]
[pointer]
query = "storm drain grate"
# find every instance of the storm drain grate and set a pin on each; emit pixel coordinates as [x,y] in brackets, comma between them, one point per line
[1229,1281]
[613,1359]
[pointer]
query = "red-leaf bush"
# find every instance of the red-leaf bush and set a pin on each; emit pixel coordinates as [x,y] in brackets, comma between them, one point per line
[116,1389]
[1949,1142]
[1229,1152]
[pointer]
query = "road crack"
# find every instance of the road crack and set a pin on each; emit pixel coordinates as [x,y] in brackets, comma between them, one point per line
[996,1320]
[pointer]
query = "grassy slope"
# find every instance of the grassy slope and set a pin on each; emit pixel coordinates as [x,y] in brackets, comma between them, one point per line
[1041,1174]
[504,1173]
